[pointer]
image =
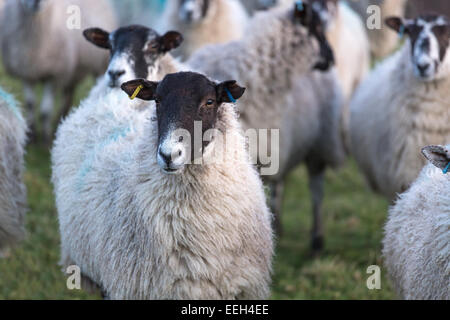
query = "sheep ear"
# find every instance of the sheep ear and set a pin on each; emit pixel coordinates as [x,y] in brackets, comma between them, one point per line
[170,41]
[439,156]
[229,91]
[395,23]
[140,88]
[98,37]
[301,11]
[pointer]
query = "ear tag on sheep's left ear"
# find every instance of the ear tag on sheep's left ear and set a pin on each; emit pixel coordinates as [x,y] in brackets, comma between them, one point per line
[401,32]
[299,5]
[230,96]
[136,92]
[446,169]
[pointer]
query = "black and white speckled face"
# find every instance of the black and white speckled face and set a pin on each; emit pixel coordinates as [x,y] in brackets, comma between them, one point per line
[135,51]
[430,39]
[193,11]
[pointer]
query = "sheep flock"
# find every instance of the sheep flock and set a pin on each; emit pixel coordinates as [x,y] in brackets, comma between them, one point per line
[169,176]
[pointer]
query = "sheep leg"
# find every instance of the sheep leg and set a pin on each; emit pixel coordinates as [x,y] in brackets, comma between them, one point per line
[316,173]
[30,104]
[68,94]
[47,106]
[276,203]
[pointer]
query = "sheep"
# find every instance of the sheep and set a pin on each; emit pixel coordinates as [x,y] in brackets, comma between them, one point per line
[136,52]
[204,22]
[40,45]
[382,41]
[403,105]
[277,51]
[416,248]
[12,188]
[145,222]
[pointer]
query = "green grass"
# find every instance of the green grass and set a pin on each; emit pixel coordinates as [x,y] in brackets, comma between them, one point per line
[354,218]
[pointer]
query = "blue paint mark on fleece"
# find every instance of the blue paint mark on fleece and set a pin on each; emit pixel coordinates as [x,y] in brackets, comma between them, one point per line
[86,166]
[10,101]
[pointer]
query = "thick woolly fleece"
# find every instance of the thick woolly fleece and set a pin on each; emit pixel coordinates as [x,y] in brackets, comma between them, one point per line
[416,246]
[141,234]
[393,115]
[225,21]
[12,187]
[270,61]
[41,46]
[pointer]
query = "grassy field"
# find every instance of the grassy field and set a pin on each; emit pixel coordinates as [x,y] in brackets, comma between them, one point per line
[353,215]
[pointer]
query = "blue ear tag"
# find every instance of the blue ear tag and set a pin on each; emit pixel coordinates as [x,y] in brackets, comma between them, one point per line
[230,96]
[401,32]
[299,5]
[446,169]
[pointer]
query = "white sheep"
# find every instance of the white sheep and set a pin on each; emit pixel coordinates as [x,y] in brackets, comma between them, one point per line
[402,105]
[12,187]
[144,225]
[382,40]
[204,22]
[41,41]
[416,246]
[271,59]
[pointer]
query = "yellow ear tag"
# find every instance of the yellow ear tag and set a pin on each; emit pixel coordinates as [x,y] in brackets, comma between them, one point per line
[136,92]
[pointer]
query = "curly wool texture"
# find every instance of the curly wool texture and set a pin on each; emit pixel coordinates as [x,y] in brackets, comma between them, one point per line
[41,46]
[141,234]
[270,62]
[416,246]
[225,21]
[393,115]
[12,187]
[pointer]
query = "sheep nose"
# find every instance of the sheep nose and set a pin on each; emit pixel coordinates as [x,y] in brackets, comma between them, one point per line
[116,74]
[167,158]
[423,68]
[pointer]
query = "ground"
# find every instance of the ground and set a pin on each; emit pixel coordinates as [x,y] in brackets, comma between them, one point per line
[353,215]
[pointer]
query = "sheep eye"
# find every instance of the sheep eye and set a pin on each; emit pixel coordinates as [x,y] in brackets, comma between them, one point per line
[210,102]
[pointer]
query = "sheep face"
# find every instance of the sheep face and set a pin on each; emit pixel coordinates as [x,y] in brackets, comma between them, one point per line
[429,37]
[193,11]
[326,10]
[439,156]
[135,51]
[185,102]
[310,18]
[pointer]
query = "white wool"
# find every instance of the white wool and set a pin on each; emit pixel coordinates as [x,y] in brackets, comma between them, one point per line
[141,234]
[225,21]
[393,115]
[12,187]
[416,246]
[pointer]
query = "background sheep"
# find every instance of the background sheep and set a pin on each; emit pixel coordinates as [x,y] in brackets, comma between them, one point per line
[402,105]
[416,244]
[276,51]
[136,52]
[169,218]
[204,22]
[37,46]
[12,188]
[382,41]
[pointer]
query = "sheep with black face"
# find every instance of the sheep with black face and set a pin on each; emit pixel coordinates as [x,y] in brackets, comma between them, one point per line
[402,105]
[181,230]
[136,52]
